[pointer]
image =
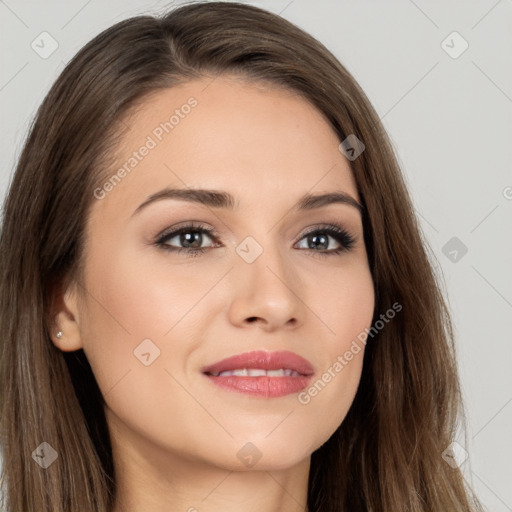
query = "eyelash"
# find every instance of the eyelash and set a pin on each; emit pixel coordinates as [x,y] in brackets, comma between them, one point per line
[342,236]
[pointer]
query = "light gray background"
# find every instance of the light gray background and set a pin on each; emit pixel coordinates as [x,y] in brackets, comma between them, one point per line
[450,120]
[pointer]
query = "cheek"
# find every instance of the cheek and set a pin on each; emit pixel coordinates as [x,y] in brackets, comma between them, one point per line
[344,304]
[134,340]
[135,296]
[347,308]
[138,295]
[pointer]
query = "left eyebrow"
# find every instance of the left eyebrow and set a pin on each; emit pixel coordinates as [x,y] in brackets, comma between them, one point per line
[312,201]
[222,199]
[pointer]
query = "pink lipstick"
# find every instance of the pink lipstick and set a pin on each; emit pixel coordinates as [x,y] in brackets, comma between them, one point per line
[261,373]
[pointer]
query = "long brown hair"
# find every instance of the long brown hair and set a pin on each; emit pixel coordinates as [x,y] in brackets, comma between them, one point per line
[387,453]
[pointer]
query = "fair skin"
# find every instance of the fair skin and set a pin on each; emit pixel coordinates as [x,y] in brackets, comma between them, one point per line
[175,435]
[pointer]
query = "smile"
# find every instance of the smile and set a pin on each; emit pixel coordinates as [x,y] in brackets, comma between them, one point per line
[258,372]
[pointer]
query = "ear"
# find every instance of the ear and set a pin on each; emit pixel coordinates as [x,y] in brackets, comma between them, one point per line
[65,317]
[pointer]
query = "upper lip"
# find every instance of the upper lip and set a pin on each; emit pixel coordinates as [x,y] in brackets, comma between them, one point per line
[264,360]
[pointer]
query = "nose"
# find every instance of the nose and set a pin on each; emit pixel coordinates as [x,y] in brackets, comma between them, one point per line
[265,292]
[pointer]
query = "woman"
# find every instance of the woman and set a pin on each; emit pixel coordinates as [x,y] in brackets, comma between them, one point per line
[219,294]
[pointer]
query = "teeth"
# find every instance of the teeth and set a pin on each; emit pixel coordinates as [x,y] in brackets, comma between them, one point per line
[253,372]
[258,372]
[276,373]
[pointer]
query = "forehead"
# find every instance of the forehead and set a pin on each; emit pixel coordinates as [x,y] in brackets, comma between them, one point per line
[251,139]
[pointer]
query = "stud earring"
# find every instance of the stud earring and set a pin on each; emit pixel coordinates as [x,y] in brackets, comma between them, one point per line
[59,334]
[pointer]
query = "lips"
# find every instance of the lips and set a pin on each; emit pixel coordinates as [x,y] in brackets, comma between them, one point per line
[261,374]
[262,360]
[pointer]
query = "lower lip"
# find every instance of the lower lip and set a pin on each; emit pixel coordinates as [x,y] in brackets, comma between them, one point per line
[264,386]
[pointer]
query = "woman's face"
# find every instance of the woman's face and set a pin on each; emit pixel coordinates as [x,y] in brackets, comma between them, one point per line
[151,319]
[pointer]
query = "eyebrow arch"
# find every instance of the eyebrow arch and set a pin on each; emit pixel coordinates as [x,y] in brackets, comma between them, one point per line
[221,199]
